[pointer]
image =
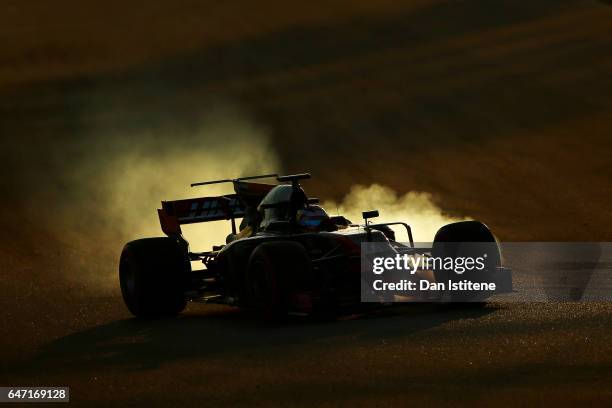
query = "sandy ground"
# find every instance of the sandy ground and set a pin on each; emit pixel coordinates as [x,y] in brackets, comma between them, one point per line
[500,110]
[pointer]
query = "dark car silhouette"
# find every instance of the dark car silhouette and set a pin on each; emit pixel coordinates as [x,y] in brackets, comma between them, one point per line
[287,256]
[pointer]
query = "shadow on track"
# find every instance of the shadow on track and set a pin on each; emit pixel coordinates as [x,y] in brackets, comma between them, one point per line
[141,344]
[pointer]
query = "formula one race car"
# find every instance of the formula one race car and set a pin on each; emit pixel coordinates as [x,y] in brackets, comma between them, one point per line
[287,256]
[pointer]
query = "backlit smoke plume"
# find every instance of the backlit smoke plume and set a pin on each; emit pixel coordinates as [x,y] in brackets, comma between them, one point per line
[127,160]
[137,181]
[415,208]
[125,172]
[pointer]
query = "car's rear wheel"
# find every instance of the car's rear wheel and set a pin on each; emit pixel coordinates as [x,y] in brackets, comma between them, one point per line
[467,239]
[153,274]
[276,270]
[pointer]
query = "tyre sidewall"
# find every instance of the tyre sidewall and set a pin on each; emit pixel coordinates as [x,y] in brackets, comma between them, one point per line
[153,277]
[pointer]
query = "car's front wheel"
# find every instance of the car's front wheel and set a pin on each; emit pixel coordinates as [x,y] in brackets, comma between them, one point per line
[466,240]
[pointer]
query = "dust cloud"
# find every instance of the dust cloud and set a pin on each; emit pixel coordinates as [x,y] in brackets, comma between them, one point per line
[224,143]
[121,171]
[415,208]
[123,163]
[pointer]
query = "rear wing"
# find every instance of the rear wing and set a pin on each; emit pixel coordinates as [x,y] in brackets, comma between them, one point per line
[243,203]
[248,195]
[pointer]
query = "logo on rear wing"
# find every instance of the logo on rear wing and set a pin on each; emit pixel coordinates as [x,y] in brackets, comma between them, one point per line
[173,214]
[203,209]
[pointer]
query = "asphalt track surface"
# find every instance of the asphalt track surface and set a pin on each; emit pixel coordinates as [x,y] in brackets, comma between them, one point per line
[506,354]
[500,110]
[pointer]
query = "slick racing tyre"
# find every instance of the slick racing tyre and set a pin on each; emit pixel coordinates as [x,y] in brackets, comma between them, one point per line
[275,271]
[466,239]
[153,273]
